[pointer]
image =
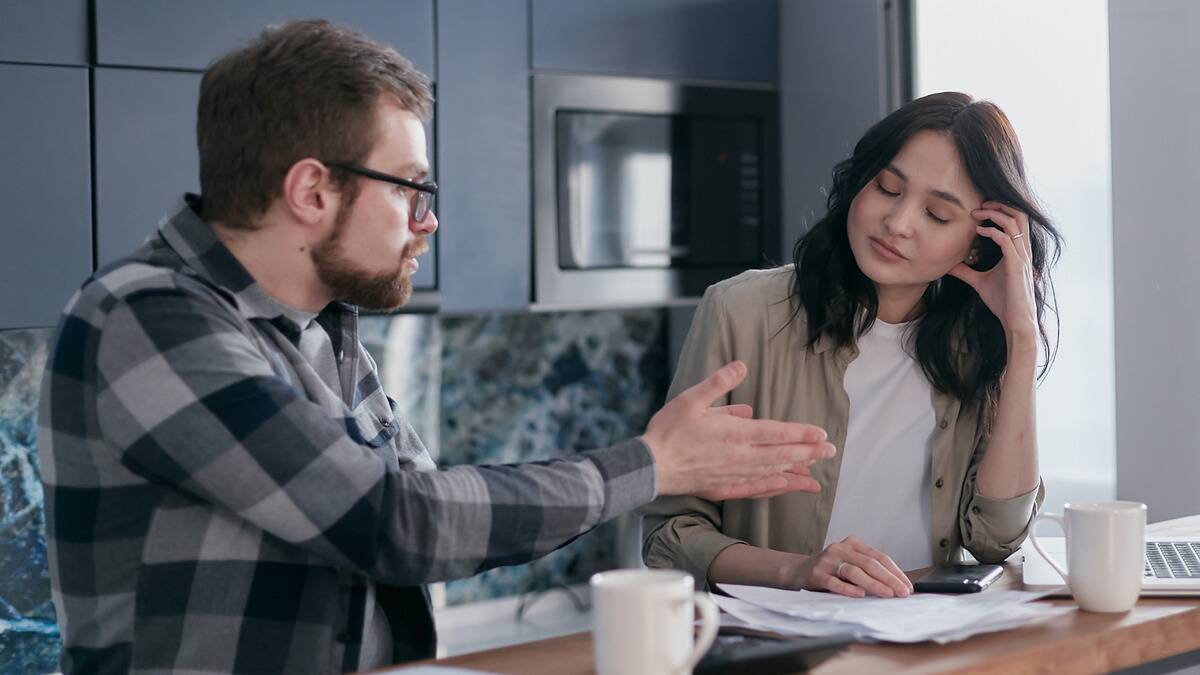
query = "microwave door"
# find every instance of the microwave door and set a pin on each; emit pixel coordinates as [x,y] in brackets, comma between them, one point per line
[615,190]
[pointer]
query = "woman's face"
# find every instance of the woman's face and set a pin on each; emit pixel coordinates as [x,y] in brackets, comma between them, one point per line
[912,222]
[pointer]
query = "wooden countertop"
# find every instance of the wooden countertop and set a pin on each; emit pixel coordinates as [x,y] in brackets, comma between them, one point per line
[1078,642]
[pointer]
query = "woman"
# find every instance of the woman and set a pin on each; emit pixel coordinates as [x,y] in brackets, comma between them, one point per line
[899,332]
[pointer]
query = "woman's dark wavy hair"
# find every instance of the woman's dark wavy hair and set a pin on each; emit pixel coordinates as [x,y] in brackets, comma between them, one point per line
[840,301]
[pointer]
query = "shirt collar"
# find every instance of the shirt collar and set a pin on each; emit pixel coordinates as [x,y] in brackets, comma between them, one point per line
[209,259]
[824,343]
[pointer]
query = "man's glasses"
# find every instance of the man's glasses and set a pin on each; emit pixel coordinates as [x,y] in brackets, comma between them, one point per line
[424,191]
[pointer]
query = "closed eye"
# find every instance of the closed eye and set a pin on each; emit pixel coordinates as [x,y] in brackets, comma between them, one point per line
[879,186]
[940,220]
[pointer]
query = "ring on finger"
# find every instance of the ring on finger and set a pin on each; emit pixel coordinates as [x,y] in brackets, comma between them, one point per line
[1018,236]
[838,572]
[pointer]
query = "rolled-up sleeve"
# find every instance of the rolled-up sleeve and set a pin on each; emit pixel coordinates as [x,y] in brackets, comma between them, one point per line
[685,532]
[993,529]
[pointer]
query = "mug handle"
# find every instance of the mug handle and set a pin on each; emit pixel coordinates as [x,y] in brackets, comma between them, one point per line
[1038,546]
[709,622]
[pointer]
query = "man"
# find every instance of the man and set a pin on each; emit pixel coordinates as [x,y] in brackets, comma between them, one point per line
[228,488]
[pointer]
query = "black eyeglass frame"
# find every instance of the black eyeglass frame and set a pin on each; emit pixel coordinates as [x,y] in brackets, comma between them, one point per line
[423,205]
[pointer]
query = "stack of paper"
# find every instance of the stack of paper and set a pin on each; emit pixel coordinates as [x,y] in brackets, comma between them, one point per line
[919,617]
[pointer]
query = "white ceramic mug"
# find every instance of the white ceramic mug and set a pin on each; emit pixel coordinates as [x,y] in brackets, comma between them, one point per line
[642,622]
[1106,548]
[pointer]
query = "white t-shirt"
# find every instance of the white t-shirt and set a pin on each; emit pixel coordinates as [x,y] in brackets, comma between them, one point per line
[883,489]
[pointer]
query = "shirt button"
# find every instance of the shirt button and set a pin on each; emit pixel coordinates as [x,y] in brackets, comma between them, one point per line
[944,543]
[943,424]
[383,421]
[939,483]
[975,510]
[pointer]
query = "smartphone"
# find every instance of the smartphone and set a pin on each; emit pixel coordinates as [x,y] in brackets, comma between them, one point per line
[989,251]
[958,579]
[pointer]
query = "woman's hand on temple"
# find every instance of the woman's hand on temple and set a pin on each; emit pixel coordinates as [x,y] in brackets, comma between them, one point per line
[1007,289]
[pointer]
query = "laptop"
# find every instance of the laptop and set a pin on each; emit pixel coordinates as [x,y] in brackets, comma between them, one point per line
[1172,566]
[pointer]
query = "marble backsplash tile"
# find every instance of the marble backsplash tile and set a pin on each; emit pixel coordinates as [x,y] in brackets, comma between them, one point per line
[522,387]
[529,387]
[28,634]
[486,389]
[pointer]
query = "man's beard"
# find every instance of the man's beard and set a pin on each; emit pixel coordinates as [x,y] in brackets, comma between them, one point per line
[383,291]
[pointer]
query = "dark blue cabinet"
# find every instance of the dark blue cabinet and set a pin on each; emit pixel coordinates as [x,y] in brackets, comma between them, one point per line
[836,79]
[483,155]
[146,156]
[44,31]
[145,119]
[426,278]
[694,39]
[45,187]
[145,152]
[189,35]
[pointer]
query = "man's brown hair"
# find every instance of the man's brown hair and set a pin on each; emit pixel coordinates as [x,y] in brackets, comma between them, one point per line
[300,89]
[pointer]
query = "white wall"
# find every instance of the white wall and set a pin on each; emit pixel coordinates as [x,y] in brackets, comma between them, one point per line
[1046,65]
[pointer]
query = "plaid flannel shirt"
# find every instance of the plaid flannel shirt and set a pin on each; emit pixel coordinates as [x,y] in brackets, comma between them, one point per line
[207,512]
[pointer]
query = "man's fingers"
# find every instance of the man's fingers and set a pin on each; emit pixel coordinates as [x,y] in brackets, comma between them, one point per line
[769,456]
[742,463]
[791,482]
[736,410]
[715,386]
[811,486]
[761,488]
[720,451]
[744,489]
[751,463]
[771,432]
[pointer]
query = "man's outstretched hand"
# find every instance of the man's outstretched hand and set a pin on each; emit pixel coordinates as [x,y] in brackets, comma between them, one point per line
[722,453]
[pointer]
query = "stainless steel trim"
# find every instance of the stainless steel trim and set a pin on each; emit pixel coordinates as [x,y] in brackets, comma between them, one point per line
[557,287]
[897,41]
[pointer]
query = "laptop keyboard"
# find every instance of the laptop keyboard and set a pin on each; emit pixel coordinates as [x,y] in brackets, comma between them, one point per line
[1172,560]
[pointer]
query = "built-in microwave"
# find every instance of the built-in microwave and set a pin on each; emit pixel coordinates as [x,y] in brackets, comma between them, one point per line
[647,191]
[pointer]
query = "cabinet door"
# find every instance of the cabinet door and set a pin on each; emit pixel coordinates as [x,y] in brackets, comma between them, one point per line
[189,35]
[840,72]
[45,187]
[44,31]
[146,157]
[483,155]
[426,278]
[146,154]
[698,39]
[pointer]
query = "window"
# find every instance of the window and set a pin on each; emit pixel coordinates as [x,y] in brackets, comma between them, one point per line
[1046,65]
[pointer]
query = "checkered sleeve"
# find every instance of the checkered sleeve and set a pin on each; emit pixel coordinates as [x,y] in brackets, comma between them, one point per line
[186,398]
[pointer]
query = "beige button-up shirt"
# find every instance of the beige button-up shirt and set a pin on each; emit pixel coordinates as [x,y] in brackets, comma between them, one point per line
[747,318]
